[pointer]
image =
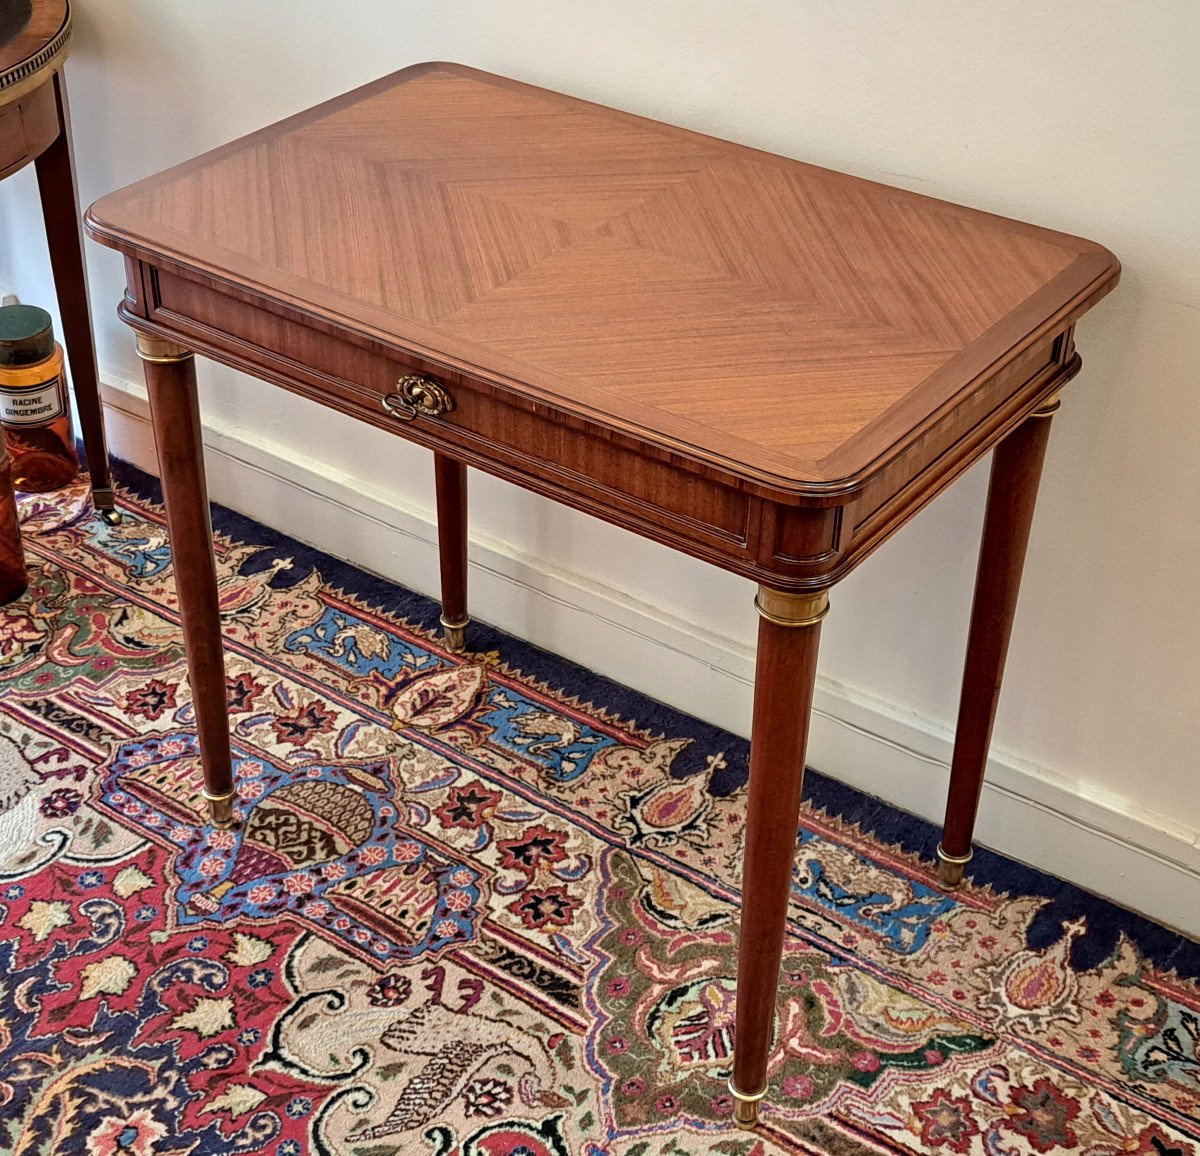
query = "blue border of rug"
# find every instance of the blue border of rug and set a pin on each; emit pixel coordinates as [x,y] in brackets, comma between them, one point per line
[1106,921]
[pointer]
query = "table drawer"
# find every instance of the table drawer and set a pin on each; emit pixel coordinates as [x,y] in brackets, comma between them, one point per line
[489,426]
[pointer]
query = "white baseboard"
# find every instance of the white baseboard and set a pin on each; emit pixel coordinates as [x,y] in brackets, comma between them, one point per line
[1134,857]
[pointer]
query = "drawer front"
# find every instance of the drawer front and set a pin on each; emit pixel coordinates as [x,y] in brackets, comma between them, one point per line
[586,465]
[28,127]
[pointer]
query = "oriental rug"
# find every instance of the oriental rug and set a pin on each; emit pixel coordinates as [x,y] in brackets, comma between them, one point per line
[485,905]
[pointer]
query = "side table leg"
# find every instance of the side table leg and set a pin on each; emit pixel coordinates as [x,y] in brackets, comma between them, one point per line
[450,483]
[56,184]
[171,383]
[788,633]
[1012,492]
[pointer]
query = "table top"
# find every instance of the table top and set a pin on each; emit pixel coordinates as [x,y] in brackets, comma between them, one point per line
[704,296]
[32,34]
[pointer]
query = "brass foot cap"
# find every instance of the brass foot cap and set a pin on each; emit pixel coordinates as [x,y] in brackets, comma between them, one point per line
[745,1108]
[951,868]
[109,516]
[220,809]
[454,634]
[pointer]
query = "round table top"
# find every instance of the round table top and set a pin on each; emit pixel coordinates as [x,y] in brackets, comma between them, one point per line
[33,36]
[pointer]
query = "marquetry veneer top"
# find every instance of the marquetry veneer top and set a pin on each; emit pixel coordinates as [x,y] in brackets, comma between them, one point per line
[708,297]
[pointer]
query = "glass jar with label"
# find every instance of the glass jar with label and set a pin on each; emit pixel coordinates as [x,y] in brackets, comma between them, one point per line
[13,579]
[34,413]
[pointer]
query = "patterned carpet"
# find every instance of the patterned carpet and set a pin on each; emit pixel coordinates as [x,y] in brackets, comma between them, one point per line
[486,905]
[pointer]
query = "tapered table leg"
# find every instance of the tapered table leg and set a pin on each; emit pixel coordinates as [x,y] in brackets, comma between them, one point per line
[788,632]
[56,184]
[171,384]
[450,482]
[1012,492]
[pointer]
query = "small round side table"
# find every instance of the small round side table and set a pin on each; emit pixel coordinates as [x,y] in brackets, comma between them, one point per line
[35,126]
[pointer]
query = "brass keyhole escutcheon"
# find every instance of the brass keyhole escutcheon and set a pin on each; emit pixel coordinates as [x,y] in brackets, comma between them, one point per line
[416,394]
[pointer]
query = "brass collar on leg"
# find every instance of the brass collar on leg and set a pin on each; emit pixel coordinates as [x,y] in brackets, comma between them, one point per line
[791,609]
[1049,407]
[160,351]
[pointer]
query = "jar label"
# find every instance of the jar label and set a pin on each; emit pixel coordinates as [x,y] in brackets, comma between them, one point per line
[38,404]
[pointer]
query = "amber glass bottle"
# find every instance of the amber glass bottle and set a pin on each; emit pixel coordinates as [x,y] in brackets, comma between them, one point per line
[13,579]
[33,401]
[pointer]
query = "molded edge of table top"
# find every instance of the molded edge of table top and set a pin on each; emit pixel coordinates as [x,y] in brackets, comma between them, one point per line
[1052,309]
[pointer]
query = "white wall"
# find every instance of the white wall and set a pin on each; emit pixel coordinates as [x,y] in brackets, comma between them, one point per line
[1082,115]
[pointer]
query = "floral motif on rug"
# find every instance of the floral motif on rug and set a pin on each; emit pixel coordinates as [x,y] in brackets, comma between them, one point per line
[472,908]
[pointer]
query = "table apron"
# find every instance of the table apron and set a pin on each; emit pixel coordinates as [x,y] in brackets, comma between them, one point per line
[645,488]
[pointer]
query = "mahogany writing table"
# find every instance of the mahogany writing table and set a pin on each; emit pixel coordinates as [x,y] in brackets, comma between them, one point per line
[767,365]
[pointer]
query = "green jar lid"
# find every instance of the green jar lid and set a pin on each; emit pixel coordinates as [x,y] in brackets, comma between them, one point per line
[26,335]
